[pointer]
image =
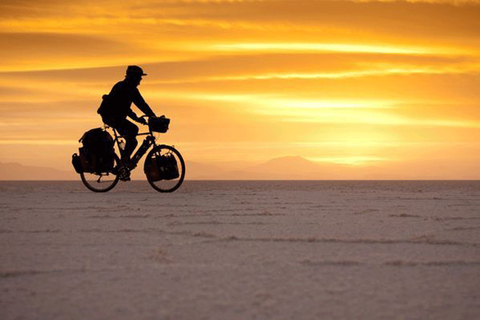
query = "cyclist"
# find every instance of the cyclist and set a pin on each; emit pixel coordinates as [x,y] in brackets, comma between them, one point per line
[116,106]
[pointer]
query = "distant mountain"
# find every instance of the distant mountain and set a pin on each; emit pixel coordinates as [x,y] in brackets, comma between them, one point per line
[16,171]
[278,168]
[287,168]
[201,171]
[292,165]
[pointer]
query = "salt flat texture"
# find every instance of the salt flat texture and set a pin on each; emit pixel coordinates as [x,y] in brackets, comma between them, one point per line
[241,250]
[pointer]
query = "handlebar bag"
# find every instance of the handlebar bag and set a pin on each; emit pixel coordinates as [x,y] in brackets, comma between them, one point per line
[158,124]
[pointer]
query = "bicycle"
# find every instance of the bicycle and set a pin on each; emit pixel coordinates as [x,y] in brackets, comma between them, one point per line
[158,167]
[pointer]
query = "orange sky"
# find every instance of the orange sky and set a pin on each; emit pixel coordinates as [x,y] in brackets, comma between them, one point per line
[371,84]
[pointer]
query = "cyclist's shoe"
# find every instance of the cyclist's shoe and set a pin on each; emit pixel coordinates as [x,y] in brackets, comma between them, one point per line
[127,162]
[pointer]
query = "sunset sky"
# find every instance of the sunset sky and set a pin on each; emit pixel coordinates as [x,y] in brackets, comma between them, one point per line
[365,84]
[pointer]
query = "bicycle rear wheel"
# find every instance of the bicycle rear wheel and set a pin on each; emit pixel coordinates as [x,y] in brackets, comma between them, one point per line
[165,182]
[99,182]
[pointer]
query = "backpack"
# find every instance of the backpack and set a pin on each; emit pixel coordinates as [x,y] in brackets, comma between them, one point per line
[105,106]
[97,154]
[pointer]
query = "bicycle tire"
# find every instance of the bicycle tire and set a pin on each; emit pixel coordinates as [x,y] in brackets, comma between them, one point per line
[165,185]
[94,182]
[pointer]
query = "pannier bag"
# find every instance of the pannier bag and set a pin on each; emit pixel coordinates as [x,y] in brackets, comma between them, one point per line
[158,124]
[168,167]
[97,153]
[151,169]
[162,168]
[77,163]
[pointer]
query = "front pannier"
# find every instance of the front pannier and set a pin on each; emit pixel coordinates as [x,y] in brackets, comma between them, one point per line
[159,124]
[168,167]
[151,169]
[162,168]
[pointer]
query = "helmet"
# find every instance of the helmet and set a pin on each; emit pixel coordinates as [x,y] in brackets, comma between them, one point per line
[135,71]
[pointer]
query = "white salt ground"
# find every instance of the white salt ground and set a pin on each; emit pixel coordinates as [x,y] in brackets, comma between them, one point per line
[241,250]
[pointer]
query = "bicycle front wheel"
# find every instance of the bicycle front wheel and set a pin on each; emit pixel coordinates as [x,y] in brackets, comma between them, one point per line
[99,182]
[164,168]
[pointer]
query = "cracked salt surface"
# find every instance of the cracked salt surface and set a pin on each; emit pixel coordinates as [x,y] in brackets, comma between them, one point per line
[241,250]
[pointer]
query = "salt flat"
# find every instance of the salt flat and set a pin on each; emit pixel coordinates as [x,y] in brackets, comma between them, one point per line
[241,250]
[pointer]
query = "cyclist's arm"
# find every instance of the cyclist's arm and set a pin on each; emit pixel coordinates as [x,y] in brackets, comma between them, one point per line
[134,116]
[141,104]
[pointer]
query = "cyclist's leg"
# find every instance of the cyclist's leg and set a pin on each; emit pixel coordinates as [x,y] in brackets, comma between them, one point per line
[129,131]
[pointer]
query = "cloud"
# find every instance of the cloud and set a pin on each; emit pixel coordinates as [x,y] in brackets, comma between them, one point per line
[386,20]
[27,51]
[322,47]
[61,36]
[375,112]
[448,2]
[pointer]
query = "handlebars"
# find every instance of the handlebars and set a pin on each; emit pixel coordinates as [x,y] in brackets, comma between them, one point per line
[157,124]
[149,117]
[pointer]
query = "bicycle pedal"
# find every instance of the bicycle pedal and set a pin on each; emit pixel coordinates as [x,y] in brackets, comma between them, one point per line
[124,174]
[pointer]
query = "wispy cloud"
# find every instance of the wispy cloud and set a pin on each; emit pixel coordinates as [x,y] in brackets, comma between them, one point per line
[328,47]
[332,75]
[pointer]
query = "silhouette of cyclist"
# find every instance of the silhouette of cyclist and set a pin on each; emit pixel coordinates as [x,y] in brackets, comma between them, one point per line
[116,106]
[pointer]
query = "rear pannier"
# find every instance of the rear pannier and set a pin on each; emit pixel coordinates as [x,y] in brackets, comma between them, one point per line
[97,154]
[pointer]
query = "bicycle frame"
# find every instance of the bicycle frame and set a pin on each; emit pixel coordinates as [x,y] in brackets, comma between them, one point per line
[146,144]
